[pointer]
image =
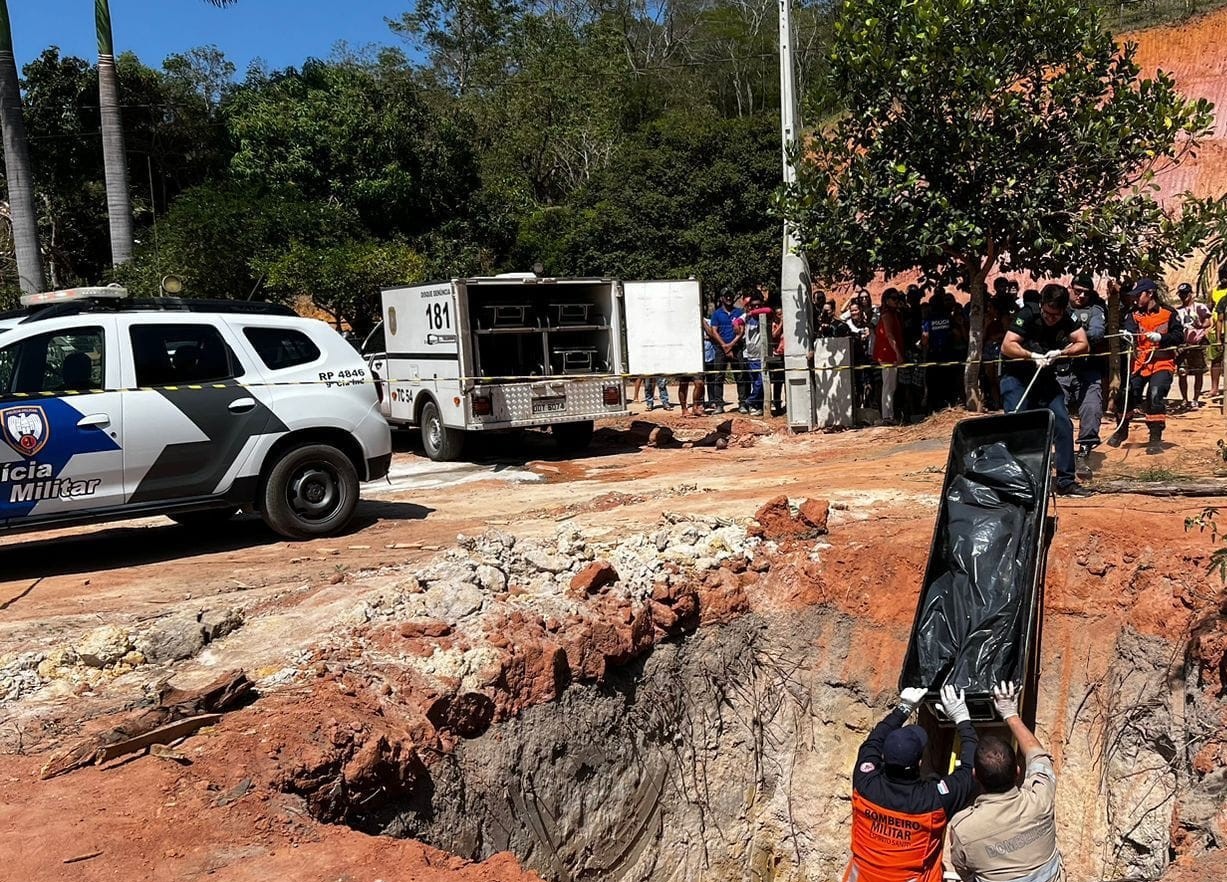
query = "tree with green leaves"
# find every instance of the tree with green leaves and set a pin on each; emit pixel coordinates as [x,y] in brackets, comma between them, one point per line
[687,196]
[985,134]
[18,172]
[219,237]
[344,280]
[358,134]
[463,39]
[115,160]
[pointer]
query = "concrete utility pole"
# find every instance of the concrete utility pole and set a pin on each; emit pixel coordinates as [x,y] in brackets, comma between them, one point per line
[794,272]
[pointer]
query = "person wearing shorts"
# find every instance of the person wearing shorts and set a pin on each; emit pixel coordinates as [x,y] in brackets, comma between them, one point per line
[1191,359]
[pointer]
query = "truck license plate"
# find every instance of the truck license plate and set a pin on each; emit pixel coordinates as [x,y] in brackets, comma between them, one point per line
[552,404]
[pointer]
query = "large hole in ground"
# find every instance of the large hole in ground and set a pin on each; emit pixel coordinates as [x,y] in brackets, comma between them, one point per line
[723,752]
[708,757]
[727,755]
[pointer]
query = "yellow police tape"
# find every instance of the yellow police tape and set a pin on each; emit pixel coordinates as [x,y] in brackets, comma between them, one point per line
[539,378]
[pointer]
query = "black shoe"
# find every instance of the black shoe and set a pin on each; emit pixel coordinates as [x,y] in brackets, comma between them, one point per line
[1116,439]
[1082,468]
[1076,490]
[1154,444]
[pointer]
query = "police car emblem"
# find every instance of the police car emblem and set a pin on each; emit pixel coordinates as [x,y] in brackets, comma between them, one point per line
[25,429]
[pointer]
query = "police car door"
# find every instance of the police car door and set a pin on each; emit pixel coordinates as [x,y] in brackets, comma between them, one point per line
[60,418]
[191,424]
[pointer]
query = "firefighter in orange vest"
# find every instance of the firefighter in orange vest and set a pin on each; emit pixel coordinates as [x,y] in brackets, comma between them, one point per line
[1156,331]
[898,817]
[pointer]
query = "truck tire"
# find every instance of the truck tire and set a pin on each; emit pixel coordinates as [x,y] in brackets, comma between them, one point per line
[573,437]
[440,443]
[205,519]
[310,491]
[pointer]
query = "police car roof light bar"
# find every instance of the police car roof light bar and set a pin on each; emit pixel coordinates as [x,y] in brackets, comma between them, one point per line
[159,304]
[70,295]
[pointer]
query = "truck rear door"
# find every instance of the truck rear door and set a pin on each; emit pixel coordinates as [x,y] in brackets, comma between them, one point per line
[663,327]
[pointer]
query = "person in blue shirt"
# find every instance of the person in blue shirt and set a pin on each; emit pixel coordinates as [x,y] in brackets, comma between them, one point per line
[728,353]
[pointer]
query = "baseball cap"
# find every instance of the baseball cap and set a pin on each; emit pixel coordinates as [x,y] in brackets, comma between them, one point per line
[1184,288]
[1141,287]
[904,747]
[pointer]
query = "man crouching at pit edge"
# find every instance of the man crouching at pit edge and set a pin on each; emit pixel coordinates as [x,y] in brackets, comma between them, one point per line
[898,818]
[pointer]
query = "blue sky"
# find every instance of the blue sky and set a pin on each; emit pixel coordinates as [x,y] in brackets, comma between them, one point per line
[282,32]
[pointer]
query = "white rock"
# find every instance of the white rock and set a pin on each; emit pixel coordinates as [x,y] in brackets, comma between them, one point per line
[452,601]
[447,571]
[491,578]
[103,646]
[543,560]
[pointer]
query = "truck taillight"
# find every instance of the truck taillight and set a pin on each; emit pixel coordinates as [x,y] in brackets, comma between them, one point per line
[482,405]
[612,395]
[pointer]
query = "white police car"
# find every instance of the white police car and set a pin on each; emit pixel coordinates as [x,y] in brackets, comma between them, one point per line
[112,408]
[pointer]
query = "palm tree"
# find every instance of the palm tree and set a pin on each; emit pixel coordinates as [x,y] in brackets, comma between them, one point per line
[17,168]
[114,159]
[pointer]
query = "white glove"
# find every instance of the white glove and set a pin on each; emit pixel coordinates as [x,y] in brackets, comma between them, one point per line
[1041,359]
[1154,336]
[1053,354]
[910,698]
[1005,699]
[954,704]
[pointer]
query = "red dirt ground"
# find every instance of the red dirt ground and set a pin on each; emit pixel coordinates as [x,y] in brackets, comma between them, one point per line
[1117,560]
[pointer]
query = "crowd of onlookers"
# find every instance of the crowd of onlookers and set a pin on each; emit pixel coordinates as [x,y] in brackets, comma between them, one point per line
[908,350]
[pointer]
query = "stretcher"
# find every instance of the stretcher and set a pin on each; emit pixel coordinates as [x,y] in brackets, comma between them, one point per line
[1028,436]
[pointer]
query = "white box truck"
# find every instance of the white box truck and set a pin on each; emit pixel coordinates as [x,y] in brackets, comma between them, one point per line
[517,351]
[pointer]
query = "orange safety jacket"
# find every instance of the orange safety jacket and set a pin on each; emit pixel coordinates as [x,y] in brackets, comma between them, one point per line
[892,846]
[898,822]
[1150,358]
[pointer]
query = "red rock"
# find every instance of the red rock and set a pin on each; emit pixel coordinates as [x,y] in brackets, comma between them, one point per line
[722,599]
[535,671]
[663,616]
[593,578]
[776,522]
[686,607]
[425,628]
[815,513]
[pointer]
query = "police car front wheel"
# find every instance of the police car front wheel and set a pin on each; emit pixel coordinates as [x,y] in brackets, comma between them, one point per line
[311,491]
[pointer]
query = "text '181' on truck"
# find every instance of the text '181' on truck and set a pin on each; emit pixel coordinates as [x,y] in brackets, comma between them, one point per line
[519,351]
